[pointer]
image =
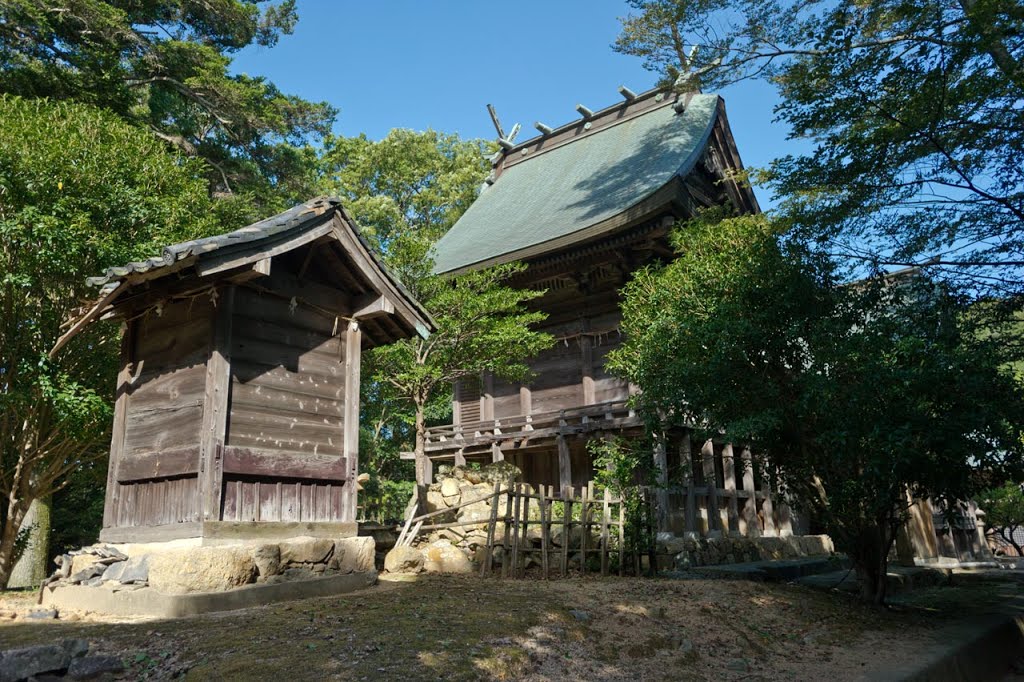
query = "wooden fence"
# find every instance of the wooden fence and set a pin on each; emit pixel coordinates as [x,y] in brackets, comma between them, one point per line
[590,525]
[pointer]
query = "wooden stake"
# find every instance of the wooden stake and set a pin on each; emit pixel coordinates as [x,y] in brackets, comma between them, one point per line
[622,533]
[488,563]
[515,535]
[506,550]
[525,548]
[605,519]
[544,529]
[584,520]
[567,494]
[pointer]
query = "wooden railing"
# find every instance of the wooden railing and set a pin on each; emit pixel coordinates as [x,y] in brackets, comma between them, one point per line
[607,415]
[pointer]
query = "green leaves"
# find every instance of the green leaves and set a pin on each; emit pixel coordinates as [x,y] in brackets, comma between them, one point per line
[164,66]
[912,109]
[861,394]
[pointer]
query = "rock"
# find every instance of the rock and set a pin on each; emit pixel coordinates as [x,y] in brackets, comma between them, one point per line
[403,560]
[135,571]
[473,477]
[88,573]
[686,647]
[459,473]
[306,551]
[267,559]
[83,562]
[91,667]
[65,561]
[354,555]
[450,491]
[201,569]
[42,614]
[580,615]
[435,501]
[363,478]
[443,557]
[114,571]
[8,615]
[299,573]
[738,664]
[20,664]
[108,552]
[503,472]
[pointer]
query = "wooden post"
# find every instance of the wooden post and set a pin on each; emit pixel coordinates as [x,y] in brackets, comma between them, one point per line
[767,511]
[514,559]
[711,480]
[216,406]
[605,521]
[353,353]
[526,549]
[729,476]
[748,519]
[622,533]
[124,376]
[564,463]
[487,398]
[686,456]
[525,401]
[496,454]
[544,528]
[488,563]
[584,520]
[661,473]
[460,457]
[587,369]
[567,494]
[424,470]
[506,550]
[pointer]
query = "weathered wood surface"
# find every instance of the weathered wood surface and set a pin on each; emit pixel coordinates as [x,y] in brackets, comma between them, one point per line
[265,499]
[281,465]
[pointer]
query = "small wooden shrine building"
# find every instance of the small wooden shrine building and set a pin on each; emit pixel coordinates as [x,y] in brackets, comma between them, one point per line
[237,404]
[584,205]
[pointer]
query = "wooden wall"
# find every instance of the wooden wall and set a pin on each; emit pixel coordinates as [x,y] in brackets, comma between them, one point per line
[287,378]
[155,477]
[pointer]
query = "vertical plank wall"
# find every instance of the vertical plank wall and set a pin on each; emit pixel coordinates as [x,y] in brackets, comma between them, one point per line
[163,413]
[287,396]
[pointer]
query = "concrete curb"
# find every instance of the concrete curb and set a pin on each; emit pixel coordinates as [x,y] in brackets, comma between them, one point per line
[149,602]
[972,652]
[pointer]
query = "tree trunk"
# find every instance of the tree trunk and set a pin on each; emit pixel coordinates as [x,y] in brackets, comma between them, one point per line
[871,561]
[30,568]
[423,466]
[16,511]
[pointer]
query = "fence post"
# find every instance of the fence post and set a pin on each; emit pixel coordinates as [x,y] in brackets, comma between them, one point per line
[544,528]
[567,494]
[605,520]
[488,563]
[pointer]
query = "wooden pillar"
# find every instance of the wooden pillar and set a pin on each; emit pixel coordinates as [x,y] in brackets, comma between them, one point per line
[686,458]
[216,406]
[767,509]
[707,453]
[661,479]
[587,368]
[525,402]
[729,480]
[564,466]
[460,458]
[353,358]
[487,397]
[749,525]
[124,375]
[496,454]
[424,470]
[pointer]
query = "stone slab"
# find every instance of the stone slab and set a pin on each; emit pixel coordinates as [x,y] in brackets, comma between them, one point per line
[149,602]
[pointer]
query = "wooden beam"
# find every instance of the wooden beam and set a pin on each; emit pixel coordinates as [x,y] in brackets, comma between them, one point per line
[161,464]
[216,407]
[353,360]
[124,377]
[564,466]
[278,464]
[89,316]
[262,250]
[260,268]
[372,305]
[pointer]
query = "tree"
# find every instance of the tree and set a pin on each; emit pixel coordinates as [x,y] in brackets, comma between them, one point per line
[856,394]
[482,325]
[164,65]
[912,107]
[406,191]
[80,190]
[1004,512]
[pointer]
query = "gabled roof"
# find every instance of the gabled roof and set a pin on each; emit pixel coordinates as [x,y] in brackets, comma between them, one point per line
[572,183]
[220,255]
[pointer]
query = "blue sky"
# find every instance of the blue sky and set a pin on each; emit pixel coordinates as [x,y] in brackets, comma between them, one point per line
[437,64]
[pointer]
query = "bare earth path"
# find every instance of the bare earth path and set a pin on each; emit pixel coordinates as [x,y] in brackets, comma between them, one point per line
[457,628]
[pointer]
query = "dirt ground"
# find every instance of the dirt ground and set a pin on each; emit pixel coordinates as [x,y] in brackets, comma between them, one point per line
[466,628]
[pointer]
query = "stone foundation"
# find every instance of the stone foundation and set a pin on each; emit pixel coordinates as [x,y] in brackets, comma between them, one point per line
[180,568]
[690,552]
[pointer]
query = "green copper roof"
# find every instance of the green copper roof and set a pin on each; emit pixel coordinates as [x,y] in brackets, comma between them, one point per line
[578,185]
